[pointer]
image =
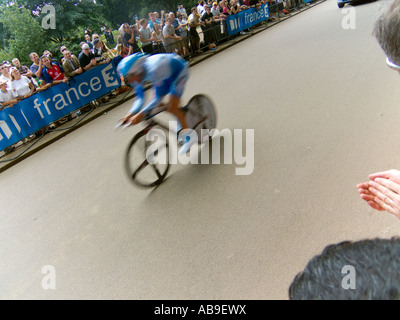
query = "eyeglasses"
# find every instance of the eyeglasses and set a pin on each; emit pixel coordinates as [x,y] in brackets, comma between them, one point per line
[392,65]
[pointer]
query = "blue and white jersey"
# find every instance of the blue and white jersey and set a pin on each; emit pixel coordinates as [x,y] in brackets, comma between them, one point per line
[167,73]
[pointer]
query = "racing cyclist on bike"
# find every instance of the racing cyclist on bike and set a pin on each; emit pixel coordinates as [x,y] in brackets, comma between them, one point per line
[168,74]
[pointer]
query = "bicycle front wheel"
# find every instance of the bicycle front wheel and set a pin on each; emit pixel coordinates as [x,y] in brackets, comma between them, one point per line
[147,159]
[201,116]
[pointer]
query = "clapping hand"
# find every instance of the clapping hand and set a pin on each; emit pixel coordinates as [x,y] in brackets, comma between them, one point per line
[382,192]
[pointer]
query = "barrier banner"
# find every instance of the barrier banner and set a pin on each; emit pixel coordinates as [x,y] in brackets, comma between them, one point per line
[41,109]
[246,19]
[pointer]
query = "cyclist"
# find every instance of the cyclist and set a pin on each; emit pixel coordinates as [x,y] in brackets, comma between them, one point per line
[168,74]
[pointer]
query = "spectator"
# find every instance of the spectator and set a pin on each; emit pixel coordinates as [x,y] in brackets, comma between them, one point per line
[23,70]
[50,55]
[194,22]
[101,52]
[5,74]
[209,36]
[97,51]
[121,51]
[63,48]
[71,65]
[182,11]
[158,40]
[8,98]
[219,22]
[215,9]
[52,73]
[184,34]
[182,50]
[174,23]
[129,38]
[86,58]
[146,37]
[200,7]
[107,53]
[36,66]
[382,192]
[163,17]
[235,8]
[88,41]
[21,85]
[152,21]
[372,272]
[226,10]
[47,53]
[94,36]
[109,36]
[171,40]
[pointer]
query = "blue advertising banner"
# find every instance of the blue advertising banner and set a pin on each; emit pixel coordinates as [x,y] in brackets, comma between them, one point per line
[43,108]
[246,19]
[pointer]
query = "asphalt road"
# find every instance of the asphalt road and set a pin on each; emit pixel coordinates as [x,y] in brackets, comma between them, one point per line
[324,110]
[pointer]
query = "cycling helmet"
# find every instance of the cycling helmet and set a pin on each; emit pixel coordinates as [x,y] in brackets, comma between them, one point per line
[131,65]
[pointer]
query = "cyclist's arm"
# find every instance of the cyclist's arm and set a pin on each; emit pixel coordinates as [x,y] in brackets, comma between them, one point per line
[152,104]
[139,101]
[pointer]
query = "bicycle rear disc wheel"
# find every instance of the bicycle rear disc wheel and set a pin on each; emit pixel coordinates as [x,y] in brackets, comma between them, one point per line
[147,162]
[201,116]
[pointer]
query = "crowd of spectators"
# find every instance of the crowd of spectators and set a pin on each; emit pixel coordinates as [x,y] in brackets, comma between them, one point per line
[167,32]
[181,31]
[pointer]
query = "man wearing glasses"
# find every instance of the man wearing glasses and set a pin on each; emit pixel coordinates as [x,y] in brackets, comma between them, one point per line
[87,58]
[382,191]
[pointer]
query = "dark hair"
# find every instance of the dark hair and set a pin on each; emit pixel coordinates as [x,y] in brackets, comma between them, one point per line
[376,266]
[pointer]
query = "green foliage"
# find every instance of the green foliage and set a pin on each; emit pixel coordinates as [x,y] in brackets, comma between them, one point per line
[24,34]
[21,30]
[69,15]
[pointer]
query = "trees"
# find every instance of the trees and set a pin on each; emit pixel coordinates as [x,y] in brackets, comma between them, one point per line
[21,33]
[21,29]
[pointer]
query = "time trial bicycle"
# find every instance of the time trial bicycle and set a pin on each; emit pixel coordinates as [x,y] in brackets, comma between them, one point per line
[142,153]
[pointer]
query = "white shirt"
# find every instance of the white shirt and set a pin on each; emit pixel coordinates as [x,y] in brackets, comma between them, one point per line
[200,9]
[21,86]
[7,96]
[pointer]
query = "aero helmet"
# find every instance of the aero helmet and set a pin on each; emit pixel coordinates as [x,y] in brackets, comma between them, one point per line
[131,65]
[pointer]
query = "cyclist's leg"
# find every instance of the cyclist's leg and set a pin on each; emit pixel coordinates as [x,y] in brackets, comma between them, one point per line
[176,91]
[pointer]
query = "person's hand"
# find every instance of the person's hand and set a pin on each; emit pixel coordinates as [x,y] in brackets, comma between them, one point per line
[79,71]
[65,80]
[382,192]
[13,101]
[132,119]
